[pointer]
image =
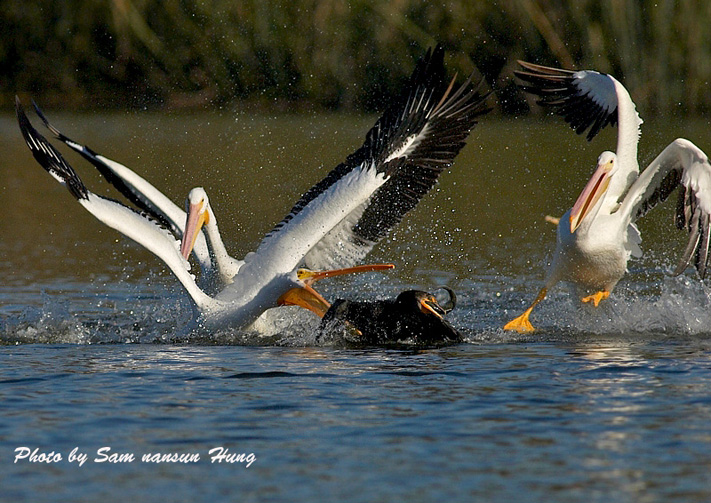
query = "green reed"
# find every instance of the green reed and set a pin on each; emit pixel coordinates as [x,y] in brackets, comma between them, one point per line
[333,53]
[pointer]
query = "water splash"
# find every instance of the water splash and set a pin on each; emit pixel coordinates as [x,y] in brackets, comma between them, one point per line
[651,306]
[155,312]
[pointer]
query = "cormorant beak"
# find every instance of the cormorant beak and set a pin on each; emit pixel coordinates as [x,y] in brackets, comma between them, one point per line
[195,220]
[429,305]
[308,298]
[591,194]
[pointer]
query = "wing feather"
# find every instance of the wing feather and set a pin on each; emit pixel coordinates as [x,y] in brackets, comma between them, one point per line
[585,99]
[681,164]
[138,191]
[51,160]
[410,145]
[110,172]
[135,225]
[702,252]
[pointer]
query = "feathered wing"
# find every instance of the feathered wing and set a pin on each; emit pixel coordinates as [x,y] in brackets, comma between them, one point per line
[415,139]
[681,164]
[108,170]
[138,191]
[132,224]
[585,99]
[46,155]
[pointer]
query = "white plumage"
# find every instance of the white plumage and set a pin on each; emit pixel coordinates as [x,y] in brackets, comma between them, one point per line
[597,236]
[335,224]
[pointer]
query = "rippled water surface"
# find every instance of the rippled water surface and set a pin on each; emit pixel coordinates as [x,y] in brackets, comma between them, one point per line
[598,405]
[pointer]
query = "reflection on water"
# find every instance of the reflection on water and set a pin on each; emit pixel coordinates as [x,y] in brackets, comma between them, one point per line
[590,421]
[482,232]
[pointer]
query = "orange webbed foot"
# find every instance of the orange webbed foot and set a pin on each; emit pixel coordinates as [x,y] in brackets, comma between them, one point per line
[521,323]
[596,298]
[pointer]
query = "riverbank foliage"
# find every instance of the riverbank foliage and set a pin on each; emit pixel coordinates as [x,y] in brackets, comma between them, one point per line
[291,54]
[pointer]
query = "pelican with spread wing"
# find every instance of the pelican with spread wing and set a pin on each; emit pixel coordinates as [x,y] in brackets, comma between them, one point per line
[217,267]
[330,229]
[597,236]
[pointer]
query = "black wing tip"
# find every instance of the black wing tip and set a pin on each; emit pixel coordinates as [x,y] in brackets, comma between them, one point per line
[47,156]
[434,55]
[702,252]
[429,71]
[546,77]
[451,117]
[557,90]
[109,175]
[47,124]
[542,69]
[429,99]
[22,116]
[452,110]
[85,151]
[698,224]
[25,125]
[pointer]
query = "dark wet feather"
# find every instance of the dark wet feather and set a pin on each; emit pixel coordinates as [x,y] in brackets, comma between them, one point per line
[557,89]
[429,101]
[391,321]
[48,157]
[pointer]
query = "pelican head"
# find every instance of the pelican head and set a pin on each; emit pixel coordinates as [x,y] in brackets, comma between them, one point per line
[198,209]
[594,190]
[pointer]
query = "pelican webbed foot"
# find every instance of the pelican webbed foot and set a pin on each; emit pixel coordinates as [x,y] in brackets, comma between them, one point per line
[521,323]
[596,298]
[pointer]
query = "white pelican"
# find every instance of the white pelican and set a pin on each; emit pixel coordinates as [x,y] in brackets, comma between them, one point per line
[217,267]
[597,236]
[334,224]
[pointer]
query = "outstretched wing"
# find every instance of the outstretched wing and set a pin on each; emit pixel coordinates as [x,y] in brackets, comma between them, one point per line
[108,170]
[358,202]
[51,160]
[681,164]
[138,191]
[586,99]
[132,224]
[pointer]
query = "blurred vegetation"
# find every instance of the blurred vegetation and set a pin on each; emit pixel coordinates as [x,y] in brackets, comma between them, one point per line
[290,54]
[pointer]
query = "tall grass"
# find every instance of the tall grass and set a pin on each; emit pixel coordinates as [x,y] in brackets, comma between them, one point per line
[335,53]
